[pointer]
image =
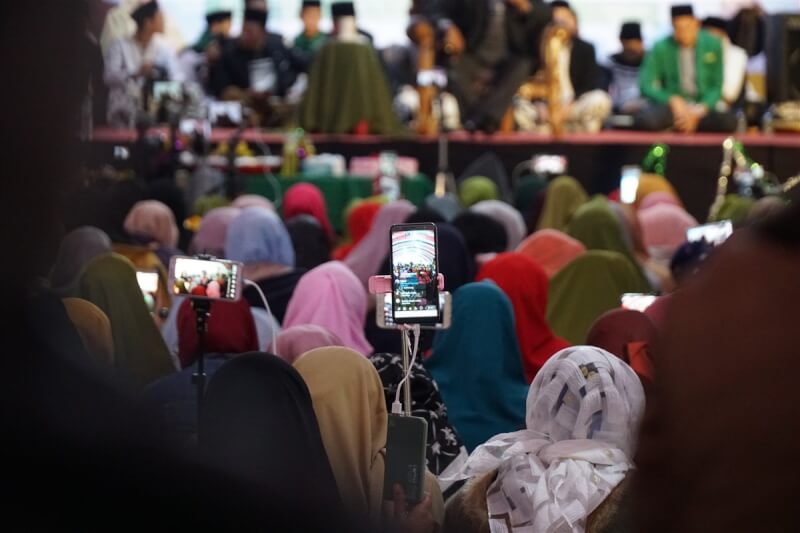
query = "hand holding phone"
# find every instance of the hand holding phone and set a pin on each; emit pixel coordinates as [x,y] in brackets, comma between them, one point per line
[406,440]
[629,184]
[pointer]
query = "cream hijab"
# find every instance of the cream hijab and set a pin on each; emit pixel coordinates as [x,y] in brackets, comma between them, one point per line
[351,411]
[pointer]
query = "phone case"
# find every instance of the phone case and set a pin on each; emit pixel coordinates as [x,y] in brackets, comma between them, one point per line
[405,456]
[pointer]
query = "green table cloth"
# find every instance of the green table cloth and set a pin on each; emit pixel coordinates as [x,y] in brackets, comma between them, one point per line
[339,191]
[345,86]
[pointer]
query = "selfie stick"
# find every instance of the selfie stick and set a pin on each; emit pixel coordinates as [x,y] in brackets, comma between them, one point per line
[202,309]
[383,285]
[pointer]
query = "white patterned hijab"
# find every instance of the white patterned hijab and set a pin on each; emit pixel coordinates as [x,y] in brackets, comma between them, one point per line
[583,415]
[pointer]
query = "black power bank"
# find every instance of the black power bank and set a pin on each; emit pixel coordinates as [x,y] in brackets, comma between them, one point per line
[405,457]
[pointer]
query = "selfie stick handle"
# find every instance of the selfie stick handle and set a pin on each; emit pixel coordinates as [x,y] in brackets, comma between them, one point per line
[202,309]
[407,384]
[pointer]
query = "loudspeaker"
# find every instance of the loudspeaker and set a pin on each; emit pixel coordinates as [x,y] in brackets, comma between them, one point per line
[783,57]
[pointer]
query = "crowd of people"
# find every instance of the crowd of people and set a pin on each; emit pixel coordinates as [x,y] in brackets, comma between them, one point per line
[496,56]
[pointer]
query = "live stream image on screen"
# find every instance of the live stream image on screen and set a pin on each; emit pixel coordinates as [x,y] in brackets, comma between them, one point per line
[207,279]
[414,273]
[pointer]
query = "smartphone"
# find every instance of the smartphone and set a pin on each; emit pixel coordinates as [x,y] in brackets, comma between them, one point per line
[148,284]
[167,89]
[714,234]
[208,279]
[406,440]
[435,77]
[629,184]
[638,301]
[549,164]
[385,319]
[415,271]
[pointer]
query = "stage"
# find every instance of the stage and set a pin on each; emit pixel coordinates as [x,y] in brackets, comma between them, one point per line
[594,159]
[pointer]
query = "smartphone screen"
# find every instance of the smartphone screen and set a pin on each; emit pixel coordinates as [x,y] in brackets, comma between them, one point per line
[629,184]
[714,234]
[637,301]
[211,279]
[550,164]
[415,271]
[148,284]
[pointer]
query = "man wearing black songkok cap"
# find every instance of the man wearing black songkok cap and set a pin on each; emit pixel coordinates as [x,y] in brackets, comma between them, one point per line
[494,46]
[624,67]
[734,60]
[256,64]
[344,23]
[682,77]
[311,39]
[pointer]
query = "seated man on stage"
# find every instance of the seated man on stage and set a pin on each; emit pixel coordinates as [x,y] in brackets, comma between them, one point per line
[311,39]
[494,46]
[624,68]
[345,25]
[682,77]
[255,66]
[197,59]
[734,60]
[131,63]
[585,106]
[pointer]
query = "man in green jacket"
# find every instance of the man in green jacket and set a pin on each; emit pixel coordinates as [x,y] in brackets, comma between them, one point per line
[682,79]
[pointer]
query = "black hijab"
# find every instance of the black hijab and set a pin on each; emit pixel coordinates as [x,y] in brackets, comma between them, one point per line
[311,244]
[258,421]
[482,234]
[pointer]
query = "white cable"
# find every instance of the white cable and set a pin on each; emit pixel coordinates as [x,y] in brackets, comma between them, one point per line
[397,407]
[269,311]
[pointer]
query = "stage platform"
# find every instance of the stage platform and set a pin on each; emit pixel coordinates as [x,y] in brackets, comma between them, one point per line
[594,159]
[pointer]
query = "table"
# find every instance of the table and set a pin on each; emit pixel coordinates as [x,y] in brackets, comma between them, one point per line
[339,191]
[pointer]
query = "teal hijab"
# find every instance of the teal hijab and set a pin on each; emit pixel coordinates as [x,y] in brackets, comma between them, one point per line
[478,366]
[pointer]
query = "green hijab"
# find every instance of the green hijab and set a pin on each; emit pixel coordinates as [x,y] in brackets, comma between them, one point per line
[598,228]
[588,287]
[734,208]
[477,189]
[564,196]
[110,283]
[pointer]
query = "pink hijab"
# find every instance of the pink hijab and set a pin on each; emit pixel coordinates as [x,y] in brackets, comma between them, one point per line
[551,249]
[331,296]
[253,200]
[153,220]
[664,226]
[659,197]
[367,257]
[297,340]
[210,236]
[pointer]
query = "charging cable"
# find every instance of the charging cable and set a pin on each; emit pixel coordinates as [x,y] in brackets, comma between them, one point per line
[397,407]
[269,311]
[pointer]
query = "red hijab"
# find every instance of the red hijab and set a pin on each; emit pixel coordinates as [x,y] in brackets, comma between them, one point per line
[359,222]
[231,330]
[525,283]
[307,199]
[629,335]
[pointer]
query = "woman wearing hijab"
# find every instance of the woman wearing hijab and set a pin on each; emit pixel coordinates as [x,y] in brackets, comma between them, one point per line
[482,234]
[629,335]
[359,219]
[258,422]
[588,287]
[253,200]
[551,249]
[210,236]
[110,283]
[657,198]
[445,453]
[231,331]
[598,228]
[664,228]
[653,183]
[312,247]
[307,199]
[565,472]
[564,196]
[354,427]
[734,208]
[480,352]
[525,284]
[332,297]
[94,329]
[152,223]
[258,238]
[297,340]
[78,248]
[366,258]
[477,189]
[506,215]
